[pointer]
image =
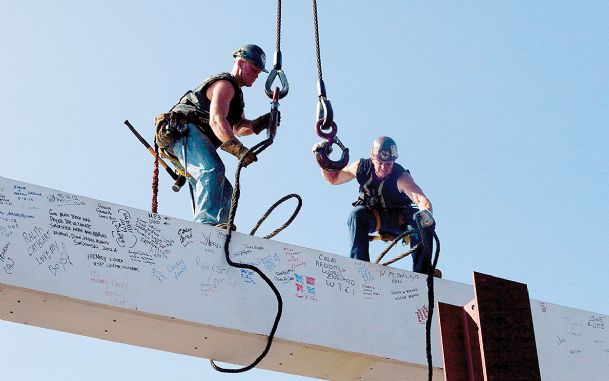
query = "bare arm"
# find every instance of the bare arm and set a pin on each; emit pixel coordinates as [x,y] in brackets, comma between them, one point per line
[220,94]
[244,127]
[407,186]
[340,177]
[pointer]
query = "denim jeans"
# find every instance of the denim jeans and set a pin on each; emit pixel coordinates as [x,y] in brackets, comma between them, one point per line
[361,223]
[212,190]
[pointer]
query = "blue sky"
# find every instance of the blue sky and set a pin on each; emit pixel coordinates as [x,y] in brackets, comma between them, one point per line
[500,110]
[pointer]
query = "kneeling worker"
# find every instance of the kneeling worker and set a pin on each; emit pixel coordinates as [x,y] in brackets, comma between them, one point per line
[387,193]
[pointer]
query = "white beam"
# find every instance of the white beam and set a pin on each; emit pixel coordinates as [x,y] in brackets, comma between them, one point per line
[98,269]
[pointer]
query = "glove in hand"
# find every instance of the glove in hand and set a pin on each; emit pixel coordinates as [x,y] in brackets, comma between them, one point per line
[262,122]
[237,149]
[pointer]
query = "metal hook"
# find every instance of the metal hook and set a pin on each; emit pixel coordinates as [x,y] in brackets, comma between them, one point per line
[322,155]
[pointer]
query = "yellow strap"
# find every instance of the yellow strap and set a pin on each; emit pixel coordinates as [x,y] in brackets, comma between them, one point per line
[385,237]
[377,217]
[176,163]
[181,172]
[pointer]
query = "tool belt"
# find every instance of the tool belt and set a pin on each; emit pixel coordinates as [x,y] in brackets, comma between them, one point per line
[167,125]
[400,215]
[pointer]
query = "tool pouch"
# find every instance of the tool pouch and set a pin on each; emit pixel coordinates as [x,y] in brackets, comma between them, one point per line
[166,131]
[167,127]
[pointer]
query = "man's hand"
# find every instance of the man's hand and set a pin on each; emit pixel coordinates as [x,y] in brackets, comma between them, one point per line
[262,122]
[323,146]
[237,149]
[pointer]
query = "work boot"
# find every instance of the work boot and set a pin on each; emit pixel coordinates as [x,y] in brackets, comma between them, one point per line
[223,226]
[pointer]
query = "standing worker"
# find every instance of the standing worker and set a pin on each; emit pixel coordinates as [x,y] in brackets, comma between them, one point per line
[387,193]
[209,117]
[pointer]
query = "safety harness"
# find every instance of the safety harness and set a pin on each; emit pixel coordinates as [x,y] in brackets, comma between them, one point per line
[193,107]
[376,192]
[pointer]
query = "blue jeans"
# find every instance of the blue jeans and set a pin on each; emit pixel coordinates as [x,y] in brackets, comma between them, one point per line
[361,223]
[212,190]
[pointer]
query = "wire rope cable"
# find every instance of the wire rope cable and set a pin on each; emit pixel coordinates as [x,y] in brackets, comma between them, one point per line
[317,49]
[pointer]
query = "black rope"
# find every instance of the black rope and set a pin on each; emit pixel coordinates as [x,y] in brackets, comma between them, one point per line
[430,284]
[392,244]
[270,210]
[403,255]
[430,302]
[231,217]
[316,29]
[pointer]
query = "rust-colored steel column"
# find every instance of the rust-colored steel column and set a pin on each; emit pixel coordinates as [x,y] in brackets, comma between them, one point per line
[460,345]
[492,337]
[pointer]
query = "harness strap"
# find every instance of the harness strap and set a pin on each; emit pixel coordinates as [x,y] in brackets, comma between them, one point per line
[377,218]
[176,163]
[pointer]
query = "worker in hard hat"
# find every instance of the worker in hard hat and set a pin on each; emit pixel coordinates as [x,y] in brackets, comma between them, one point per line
[388,199]
[208,117]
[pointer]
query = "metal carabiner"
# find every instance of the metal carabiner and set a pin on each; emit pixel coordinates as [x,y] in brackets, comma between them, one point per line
[323,150]
[274,119]
[324,107]
[325,113]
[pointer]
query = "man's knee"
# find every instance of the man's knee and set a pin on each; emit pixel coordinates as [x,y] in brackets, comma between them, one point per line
[207,168]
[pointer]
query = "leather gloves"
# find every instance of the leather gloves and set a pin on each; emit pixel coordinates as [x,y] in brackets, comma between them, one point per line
[262,122]
[323,147]
[237,149]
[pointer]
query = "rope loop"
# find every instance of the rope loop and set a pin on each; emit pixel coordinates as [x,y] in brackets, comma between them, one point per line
[397,239]
[270,210]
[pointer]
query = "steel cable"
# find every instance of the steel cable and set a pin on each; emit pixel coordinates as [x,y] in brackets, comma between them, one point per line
[278,44]
[316,30]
